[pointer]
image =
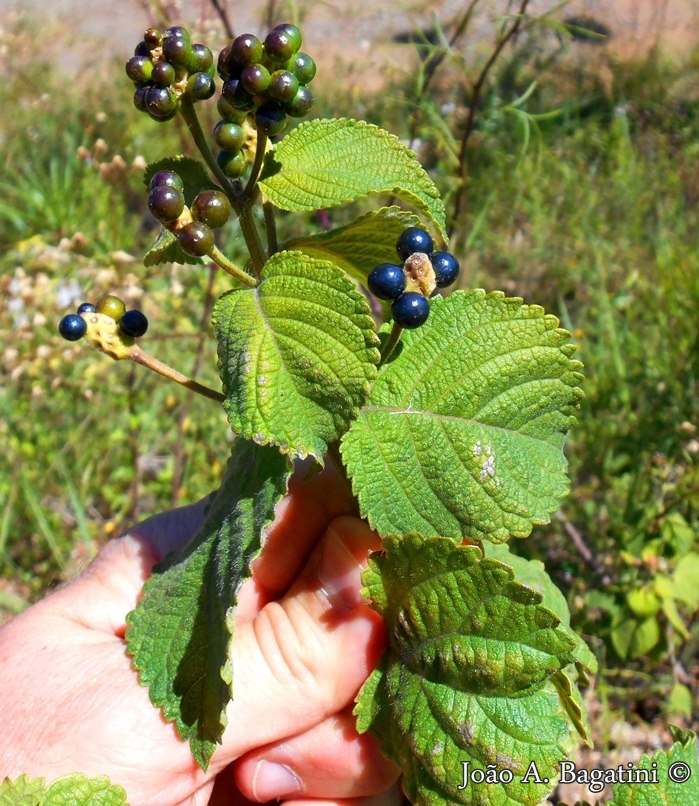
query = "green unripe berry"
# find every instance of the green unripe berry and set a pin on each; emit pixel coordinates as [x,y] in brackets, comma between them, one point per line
[161,103]
[303,67]
[229,112]
[111,305]
[178,51]
[200,86]
[301,103]
[255,78]
[282,42]
[202,59]
[139,69]
[246,49]
[233,163]
[163,74]
[168,178]
[196,238]
[212,207]
[229,136]
[166,203]
[283,85]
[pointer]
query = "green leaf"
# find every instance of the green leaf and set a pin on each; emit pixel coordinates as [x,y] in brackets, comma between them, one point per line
[179,634]
[23,791]
[70,790]
[324,163]
[297,354]
[167,249]
[533,574]
[680,762]
[79,790]
[466,676]
[463,432]
[193,173]
[360,246]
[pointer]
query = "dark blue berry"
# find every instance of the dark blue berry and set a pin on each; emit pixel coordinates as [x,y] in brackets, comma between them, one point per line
[413,239]
[133,323]
[72,327]
[446,268]
[387,281]
[271,118]
[86,307]
[410,309]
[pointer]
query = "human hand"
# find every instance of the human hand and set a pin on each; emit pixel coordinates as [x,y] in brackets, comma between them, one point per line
[70,700]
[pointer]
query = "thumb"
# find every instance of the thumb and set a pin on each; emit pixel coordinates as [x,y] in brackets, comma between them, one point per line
[304,657]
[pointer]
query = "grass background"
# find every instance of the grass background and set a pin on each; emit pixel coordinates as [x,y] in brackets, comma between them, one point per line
[576,187]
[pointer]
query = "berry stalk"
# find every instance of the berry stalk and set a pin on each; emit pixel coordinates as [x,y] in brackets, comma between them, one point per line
[137,355]
[390,343]
[242,209]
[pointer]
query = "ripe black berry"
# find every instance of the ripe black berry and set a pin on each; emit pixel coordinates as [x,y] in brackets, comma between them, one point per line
[166,203]
[111,305]
[133,323]
[72,327]
[413,239]
[139,98]
[246,49]
[229,136]
[196,239]
[212,207]
[410,309]
[168,178]
[86,307]
[387,281]
[301,103]
[446,268]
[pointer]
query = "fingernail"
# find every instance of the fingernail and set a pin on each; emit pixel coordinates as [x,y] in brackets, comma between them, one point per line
[272,781]
[339,574]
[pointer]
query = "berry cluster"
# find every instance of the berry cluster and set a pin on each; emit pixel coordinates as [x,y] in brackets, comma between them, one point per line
[166,64]
[131,323]
[267,79]
[409,285]
[193,225]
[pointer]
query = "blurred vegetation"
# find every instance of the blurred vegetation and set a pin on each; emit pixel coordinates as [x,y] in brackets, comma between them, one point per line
[572,182]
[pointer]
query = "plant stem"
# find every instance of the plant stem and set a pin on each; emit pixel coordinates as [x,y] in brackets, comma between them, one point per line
[271,227]
[228,266]
[191,118]
[260,149]
[390,343]
[241,205]
[137,355]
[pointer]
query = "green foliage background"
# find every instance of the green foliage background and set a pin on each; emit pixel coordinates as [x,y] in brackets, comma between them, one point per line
[591,212]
